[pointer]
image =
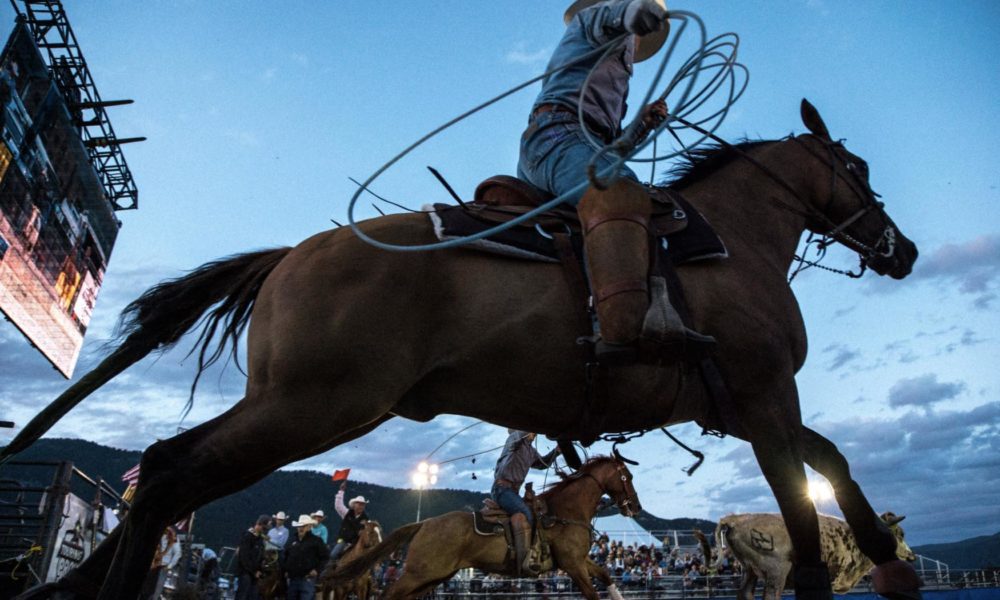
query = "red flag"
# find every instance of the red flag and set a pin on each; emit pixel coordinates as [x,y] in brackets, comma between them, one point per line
[341,474]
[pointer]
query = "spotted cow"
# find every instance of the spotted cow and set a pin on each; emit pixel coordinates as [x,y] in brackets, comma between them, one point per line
[761,543]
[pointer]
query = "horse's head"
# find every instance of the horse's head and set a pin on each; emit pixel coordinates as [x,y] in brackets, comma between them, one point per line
[616,481]
[847,210]
[371,535]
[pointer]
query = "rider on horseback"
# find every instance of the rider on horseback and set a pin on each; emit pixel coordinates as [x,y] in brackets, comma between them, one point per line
[354,520]
[555,153]
[517,457]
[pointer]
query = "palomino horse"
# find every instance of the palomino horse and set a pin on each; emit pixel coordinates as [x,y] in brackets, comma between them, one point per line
[362,584]
[442,545]
[345,337]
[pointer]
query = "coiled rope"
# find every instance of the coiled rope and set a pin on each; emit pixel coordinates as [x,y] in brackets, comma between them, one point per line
[720,52]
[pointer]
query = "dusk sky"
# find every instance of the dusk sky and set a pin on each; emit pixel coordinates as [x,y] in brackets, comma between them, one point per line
[258,112]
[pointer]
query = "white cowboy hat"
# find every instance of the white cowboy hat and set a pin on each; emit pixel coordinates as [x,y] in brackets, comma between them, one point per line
[649,44]
[360,499]
[318,513]
[303,520]
[280,515]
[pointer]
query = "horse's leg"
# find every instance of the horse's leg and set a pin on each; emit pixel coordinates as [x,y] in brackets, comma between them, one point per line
[873,536]
[579,572]
[774,425]
[85,580]
[243,445]
[595,570]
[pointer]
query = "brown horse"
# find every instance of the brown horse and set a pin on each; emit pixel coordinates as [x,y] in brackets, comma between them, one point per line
[272,579]
[442,545]
[362,584]
[345,337]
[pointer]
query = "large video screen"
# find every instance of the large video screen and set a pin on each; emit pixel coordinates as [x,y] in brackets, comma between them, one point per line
[57,226]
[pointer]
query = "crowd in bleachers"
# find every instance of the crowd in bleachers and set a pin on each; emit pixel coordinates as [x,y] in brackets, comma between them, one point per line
[647,565]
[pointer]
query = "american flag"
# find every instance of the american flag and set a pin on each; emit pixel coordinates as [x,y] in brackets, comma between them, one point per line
[131,477]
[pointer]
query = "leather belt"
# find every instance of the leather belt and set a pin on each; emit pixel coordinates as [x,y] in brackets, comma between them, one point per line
[601,131]
[506,483]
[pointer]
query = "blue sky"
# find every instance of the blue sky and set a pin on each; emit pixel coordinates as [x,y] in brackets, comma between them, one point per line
[258,112]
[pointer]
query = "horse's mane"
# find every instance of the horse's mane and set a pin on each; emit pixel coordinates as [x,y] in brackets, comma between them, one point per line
[706,160]
[568,479]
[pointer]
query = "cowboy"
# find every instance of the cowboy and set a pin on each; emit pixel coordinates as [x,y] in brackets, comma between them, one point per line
[168,552]
[354,520]
[319,529]
[555,153]
[305,555]
[249,557]
[277,536]
[517,457]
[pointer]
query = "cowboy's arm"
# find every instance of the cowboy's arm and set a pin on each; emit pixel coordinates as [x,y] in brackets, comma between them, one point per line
[604,22]
[543,462]
[338,503]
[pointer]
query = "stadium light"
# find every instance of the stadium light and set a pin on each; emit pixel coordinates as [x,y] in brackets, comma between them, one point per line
[424,476]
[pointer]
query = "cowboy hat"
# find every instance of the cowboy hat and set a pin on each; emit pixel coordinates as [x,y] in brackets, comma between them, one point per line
[360,499]
[649,44]
[318,513]
[890,518]
[303,520]
[280,515]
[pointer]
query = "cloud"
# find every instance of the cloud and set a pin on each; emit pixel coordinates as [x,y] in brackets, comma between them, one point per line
[922,391]
[520,55]
[841,355]
[972,267]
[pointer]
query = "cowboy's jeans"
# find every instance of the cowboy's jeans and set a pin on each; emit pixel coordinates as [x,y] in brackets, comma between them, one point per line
[555,153]
[301,588]
[338,550]
[510,501]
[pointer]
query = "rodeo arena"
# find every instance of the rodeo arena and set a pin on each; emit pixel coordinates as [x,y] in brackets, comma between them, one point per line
[64,180]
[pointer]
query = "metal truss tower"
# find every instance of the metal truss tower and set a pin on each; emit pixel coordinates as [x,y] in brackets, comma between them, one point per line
[50,27]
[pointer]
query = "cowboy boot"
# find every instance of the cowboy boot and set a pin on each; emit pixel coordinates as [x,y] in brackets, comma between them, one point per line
[521,530]
[616,242]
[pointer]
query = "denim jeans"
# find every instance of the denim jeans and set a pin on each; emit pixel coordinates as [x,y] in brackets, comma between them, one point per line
[555,154]
[510,501]
[246,587]
[301,588]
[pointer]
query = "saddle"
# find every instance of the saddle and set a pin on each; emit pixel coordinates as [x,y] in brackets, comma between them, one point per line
[491,520]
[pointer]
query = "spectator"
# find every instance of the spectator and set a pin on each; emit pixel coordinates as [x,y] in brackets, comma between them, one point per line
[304,556]
[319,529]
[277,536]
[168,552]
[249,556]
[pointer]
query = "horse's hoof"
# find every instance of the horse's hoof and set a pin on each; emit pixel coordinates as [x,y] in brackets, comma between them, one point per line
[812,582]
[897,580]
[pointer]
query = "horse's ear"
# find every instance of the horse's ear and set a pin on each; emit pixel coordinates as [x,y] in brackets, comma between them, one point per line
[812,120]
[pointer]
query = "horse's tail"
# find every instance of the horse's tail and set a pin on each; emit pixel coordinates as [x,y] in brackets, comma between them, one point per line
[706,548]
[159,318]
[357,567]
[721,541]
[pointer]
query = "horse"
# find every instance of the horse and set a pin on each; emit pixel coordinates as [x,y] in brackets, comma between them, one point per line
[272,579]
[362,584]
[440,546]
[345,337]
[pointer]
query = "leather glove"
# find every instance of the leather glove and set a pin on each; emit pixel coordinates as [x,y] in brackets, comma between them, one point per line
[644,16]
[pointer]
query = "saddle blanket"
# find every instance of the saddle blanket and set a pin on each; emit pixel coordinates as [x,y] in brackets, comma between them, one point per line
[697,241]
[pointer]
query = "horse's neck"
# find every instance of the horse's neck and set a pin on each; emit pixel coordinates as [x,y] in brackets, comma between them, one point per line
[754,214]
[577,501]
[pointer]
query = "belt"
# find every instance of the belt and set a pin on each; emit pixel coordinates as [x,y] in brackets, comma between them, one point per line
[506,483]
[602,132]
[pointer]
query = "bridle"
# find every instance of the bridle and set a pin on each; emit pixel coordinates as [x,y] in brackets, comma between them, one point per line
[855,176]
[884,247]
[629,503]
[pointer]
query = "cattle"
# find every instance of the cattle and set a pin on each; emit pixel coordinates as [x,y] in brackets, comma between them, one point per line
[760,542]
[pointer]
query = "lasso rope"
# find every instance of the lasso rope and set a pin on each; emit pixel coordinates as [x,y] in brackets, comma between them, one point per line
[715,48]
